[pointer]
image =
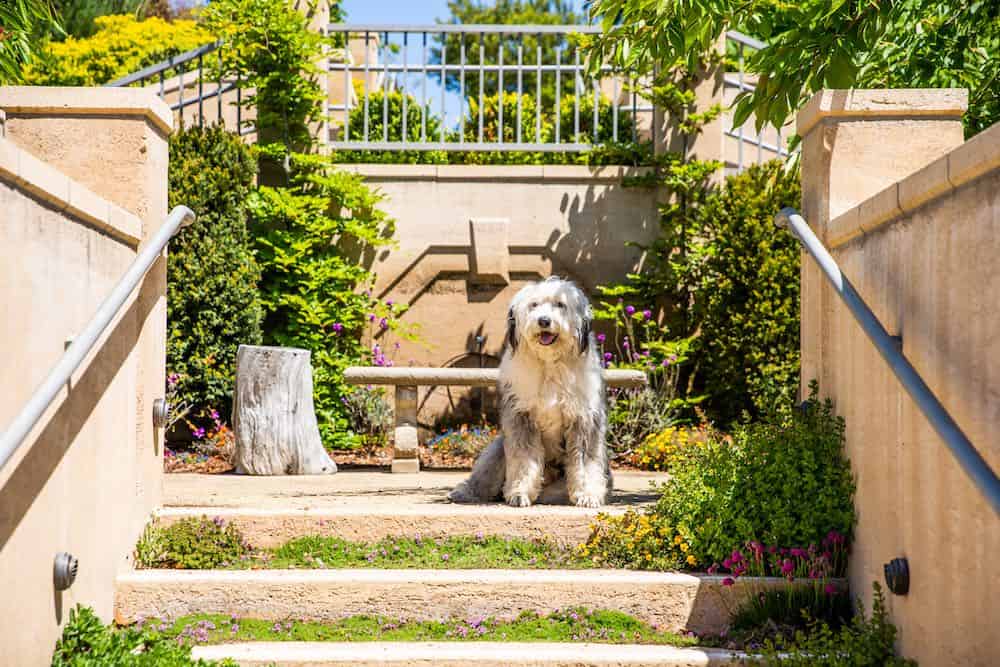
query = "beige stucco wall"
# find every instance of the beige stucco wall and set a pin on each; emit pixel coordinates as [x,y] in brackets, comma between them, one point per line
[83,177]
[532,222]
[921,248]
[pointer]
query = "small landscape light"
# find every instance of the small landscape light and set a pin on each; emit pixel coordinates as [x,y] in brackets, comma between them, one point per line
[897,576]
[64,570]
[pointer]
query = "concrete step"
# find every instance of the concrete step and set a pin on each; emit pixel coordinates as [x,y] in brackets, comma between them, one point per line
[368,506]
[452,654]
[673,601]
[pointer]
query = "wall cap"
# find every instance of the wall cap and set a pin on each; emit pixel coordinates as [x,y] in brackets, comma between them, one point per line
[28,173]
[862,104]
[87,101]
[515,173]
[977,157]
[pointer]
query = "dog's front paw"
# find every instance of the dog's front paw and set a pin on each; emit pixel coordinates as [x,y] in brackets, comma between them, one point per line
[518,500]
[586,500]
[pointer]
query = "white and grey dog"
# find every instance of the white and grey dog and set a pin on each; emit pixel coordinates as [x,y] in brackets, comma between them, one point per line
[553,411]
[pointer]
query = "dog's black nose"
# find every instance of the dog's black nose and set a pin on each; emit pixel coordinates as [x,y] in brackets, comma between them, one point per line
[544,322]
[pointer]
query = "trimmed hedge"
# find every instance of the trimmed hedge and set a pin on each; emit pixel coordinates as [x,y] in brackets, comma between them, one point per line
[213,303]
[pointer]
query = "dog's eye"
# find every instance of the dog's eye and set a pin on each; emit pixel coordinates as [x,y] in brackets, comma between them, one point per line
[561,305]
[533,305]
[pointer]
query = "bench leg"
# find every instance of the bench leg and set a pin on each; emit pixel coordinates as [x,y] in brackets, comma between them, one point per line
[404,451]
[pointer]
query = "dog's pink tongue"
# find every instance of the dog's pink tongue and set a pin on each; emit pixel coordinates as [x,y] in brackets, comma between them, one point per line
[547,338]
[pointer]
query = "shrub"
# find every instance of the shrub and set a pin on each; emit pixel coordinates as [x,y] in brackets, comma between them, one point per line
[190,544]
[637,540]
[121,45]
[463,441]
[212,277]
[865,642]
[783,481]
[369,417]
[671,447]
[87,642]
[392,130]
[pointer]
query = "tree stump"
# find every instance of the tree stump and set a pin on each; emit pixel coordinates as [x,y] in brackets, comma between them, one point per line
[273,416]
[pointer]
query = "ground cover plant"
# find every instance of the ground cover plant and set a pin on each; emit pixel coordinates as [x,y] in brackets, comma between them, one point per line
[565,625]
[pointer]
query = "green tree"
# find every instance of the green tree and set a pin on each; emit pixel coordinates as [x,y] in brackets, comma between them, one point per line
[814,44]
[78,15]
[23,26]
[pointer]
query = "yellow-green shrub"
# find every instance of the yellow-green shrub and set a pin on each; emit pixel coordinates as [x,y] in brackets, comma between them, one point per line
[667,448]
[643,541]
[120,46]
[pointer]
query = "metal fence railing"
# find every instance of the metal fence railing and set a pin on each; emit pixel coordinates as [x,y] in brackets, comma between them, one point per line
[453,75]
[437,87]
[194,87]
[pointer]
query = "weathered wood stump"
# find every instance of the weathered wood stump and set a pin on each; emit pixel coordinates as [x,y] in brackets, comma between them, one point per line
[273,416]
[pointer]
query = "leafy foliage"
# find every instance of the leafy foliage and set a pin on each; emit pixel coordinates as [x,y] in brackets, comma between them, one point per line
[87,642]
[817,44]
[78,16]
[213,304]
[783,481]
[865,642]
[23,25]
[190,544]
[310,239]
[121,45]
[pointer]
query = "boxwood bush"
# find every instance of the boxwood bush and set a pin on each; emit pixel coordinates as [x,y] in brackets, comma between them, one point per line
[213,304]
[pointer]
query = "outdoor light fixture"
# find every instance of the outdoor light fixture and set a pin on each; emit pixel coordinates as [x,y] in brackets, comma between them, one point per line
[64,570]
[161,412]
[897,576]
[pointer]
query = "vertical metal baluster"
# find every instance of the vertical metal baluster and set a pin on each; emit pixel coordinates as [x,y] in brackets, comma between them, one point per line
[635,115]
[181,97]
[760,147]
[239,105]
[461,88]
[597,107]
[739,132]
[423,107]
[500,88]
[520,64]
[615,94]
[162,91]
[365,86]
[482,76]
[576,94]
[385,86]
[402,86]
[558,89]
[444,87]
[201,92]
[780,148]
[538,89]
[347,85]
[218,91]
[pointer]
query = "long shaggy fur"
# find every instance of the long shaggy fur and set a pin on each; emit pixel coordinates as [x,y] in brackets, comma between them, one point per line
[553,411]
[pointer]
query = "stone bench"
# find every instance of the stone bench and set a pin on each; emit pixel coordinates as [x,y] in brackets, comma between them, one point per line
[407,379]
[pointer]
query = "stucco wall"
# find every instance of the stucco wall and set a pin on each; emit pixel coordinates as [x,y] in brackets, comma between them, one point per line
[921,248]
[82,183]
[532,222]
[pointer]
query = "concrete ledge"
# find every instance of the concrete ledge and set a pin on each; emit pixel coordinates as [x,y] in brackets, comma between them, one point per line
[973,159]
[423,376]
[563,525]
[865,104]
[508,173]
[27,172]
[480,654]
[672,600]
[35,100]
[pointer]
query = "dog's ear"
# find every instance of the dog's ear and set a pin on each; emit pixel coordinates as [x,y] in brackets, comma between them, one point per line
[585,332]
[511,331]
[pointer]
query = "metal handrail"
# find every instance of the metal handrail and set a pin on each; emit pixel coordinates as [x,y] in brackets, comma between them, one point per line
[164,65]
[13,437]
[964,451]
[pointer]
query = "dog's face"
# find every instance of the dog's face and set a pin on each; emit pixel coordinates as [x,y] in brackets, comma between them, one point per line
[550,319]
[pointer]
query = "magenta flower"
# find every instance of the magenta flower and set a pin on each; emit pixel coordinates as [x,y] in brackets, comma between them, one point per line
[728,581]
[389,303]
[830,589]
[445,557]
[630,310]
[607,356]
[337,327]
[601,338]
[727,563]
[199,433]
[214,414]
[625,344]
[647,314]
[713,568]
[787,567]
[371,317]
[384,323]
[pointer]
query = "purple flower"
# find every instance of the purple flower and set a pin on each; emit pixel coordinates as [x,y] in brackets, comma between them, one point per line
[199,433]
[608,356]
[630,310]
[625,344]
[173,379]
[787,567]
[214,414]
[337,327]
[371,317]
[830,589]
[713,568]
[665,363]
[647,314]
[728,581]
[727,563]
[574,616]
[389,303]
[601,338]
[479,536]
[445,557]
[384,323]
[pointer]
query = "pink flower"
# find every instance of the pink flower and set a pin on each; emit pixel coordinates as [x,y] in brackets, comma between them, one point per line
[787,567]
[727,563]
[728,581]
[830,589]
[630,310]
[713,568]
[647,314]
[199,433]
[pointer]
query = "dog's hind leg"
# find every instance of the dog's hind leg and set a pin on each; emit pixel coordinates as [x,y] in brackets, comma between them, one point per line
[485,484]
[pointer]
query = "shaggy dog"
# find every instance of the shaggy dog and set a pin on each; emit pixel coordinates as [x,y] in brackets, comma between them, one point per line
[553,413]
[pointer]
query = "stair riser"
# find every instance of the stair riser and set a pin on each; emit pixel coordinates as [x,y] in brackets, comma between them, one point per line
[672,601]
[264,529]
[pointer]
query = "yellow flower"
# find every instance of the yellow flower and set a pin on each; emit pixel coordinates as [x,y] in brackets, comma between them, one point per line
[684,548]
[678,539]
[691,560]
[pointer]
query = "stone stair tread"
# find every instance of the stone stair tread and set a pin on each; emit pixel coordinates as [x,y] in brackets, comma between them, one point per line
[479,654]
